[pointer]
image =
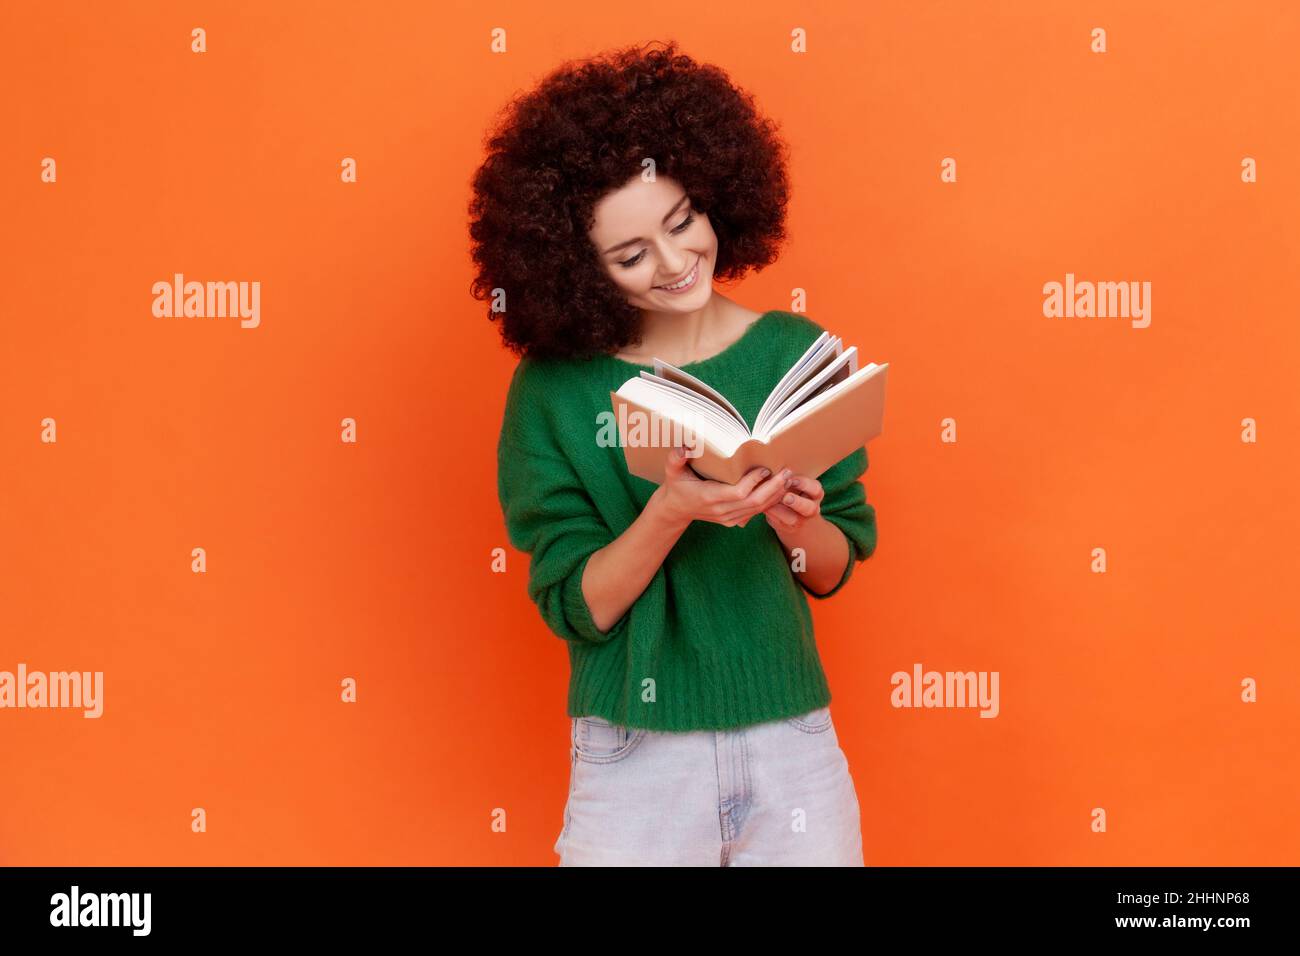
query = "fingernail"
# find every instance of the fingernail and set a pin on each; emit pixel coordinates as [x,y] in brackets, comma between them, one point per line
[765,472]
[789,499]
[786,473]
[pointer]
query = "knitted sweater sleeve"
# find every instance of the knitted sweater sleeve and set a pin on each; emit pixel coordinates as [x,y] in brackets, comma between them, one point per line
[845,505]
[550,515]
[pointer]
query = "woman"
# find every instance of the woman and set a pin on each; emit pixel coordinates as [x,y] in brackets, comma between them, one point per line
[611,198]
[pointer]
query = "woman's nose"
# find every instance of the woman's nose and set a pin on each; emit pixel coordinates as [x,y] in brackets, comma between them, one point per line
[675,261]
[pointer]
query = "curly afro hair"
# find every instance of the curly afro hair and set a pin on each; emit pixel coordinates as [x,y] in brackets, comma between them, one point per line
[585,131]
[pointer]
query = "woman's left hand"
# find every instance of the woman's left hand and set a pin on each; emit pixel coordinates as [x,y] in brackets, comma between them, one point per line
[801,502]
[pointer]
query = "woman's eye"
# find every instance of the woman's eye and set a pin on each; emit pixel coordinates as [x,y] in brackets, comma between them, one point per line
[629,263]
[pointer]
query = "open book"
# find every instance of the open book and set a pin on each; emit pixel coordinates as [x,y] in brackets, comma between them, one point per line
[821,411]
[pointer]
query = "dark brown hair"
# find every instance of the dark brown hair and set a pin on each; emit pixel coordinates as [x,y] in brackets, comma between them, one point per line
[585,131]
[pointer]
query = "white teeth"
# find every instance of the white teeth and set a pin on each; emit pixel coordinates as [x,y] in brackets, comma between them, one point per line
[684,282]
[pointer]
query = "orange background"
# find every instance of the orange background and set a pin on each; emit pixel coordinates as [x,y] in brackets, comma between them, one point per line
[326,560]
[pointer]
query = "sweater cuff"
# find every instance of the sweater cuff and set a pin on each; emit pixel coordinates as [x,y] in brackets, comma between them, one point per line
[848,567]
[844,578]
[579,614]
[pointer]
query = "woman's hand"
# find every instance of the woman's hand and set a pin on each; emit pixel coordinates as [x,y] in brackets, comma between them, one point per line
[800,526]
[801,501]
[684,497]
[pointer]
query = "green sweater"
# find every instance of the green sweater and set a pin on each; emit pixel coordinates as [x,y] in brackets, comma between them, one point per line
[722,636]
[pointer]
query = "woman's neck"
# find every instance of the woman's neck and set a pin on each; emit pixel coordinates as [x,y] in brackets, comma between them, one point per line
[680,338]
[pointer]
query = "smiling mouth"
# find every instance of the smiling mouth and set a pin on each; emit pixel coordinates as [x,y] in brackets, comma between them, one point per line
[684,283]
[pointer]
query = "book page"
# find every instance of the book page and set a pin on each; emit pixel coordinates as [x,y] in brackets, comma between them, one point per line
[795,373]
[697,404]
[829,396]
[679,404]
[810,371]
[673,374]
[839,369]
[821,431]
[647,455]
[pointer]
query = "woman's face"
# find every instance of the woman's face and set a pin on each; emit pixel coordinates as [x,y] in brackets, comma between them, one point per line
[647,237]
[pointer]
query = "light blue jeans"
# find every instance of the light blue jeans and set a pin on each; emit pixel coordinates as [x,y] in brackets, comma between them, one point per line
[770,794]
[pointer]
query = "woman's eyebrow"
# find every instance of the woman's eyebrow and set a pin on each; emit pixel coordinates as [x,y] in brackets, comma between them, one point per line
[676,206]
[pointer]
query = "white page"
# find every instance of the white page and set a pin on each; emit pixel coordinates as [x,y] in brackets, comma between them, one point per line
[844,360]
[783,386]
[853,381]
[796,370]
[674,401]
[713,393]
[808,370]
[696,402]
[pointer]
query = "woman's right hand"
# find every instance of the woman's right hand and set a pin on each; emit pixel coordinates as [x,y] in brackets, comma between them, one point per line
[684,497]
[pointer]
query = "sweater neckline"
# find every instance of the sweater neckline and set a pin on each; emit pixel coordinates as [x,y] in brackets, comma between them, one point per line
[710,360]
